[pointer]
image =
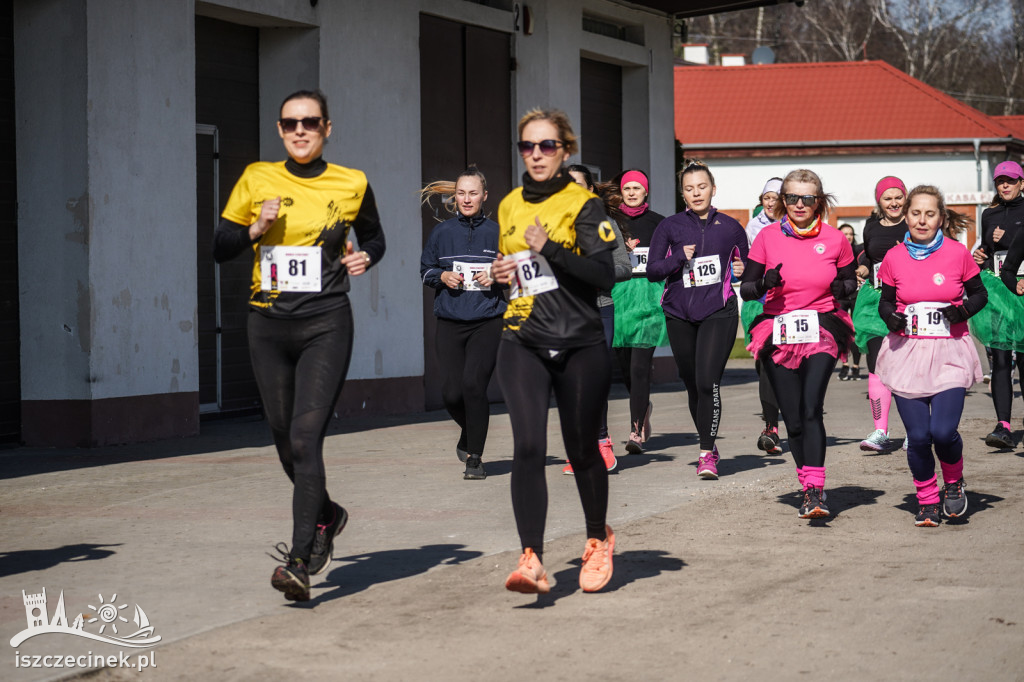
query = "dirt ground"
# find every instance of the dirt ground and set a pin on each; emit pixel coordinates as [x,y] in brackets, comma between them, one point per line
[728,585]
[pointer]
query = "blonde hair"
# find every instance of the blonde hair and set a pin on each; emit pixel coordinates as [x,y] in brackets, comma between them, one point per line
[953,223]
[446,189]
[557,118]
[825,203]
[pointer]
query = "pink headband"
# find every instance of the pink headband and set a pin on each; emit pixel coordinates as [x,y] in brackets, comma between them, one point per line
[886,183]
[634,176]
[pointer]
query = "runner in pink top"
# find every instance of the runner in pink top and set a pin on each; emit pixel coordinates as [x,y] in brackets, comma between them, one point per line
[928,360]
[802,266]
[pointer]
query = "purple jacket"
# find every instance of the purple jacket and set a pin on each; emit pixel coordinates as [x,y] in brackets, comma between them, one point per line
[723,237]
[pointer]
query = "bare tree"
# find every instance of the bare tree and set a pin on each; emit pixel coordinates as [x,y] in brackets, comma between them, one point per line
[843,27]
[1010,63]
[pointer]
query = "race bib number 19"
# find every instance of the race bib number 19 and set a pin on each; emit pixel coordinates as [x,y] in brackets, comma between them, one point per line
[533,274]
[924,319]
[290,268]
[799,326]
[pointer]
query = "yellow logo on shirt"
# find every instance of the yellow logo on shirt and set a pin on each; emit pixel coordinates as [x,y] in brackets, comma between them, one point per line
[605,231]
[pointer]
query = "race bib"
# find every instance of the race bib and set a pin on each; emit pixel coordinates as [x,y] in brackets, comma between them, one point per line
[702,271]
[999,257]
[638,257]
[874,276]
[924,319]
[290,268]
[533,274]
[799,326]
[468,272]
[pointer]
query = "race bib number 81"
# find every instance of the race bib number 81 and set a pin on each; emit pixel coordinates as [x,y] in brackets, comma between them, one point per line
[290,268]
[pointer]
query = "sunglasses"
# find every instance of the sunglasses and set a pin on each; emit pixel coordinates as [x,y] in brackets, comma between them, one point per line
[808,199]
[547,147]
[289,125]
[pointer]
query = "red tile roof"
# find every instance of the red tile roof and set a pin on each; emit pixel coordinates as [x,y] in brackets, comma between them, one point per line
[868,100]
[1014,123]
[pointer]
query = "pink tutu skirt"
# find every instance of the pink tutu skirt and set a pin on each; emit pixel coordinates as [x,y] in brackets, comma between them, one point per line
[918,368]
[790,355]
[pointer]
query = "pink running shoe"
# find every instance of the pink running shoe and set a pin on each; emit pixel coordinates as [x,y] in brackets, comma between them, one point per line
[607,453]
[707,464]
[634,445]
[567,470]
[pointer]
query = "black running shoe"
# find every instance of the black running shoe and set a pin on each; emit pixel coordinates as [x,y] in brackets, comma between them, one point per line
[292,578]
[927,516]
[844,373]
[999,438]
[855,375]
[323,541]
[769,441]
[814,506]
[474,469]
[954,499]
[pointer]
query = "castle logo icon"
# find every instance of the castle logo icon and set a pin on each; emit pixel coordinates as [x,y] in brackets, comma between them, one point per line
[113,626]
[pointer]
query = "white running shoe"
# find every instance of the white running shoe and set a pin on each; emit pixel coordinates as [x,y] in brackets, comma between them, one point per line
[876,442]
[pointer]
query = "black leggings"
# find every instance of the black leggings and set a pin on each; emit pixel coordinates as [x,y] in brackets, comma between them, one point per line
[769,408]
[1002,381]
[636,372]
[300,367]
[701,350]
[608,320]
[801,397]
[874,345]
[466,353]
[580,378]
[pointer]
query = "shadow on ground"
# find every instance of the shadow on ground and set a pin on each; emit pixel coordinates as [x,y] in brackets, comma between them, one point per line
[23,561]
[628,568]
[976,502]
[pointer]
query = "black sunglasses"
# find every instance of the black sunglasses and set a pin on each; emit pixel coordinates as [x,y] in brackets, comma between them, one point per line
[289,125]
[808,199]
[547,147]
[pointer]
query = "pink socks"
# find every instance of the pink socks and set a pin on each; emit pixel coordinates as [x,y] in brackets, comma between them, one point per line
[951,473]
[814,477]
[880,399]
[928,491]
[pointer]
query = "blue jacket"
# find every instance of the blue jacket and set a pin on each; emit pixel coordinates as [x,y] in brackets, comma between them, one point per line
[722,237]
[469,240]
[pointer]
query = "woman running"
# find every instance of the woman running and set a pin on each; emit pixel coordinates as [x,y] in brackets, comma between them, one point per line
[456,263]
[295,216]
[928,359]
[641,326]
[769,440]
[1000,326]
[695,252]
[883,230]
[801,266]
[582,176]
[847,304]
[556,253]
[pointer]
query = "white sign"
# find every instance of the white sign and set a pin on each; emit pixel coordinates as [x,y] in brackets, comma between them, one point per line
[969,198]
[638,257]
[799,326]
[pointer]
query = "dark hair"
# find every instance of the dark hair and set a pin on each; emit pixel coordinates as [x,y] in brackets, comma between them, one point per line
[588,177]
[316,95]
[694,166]
[852,230]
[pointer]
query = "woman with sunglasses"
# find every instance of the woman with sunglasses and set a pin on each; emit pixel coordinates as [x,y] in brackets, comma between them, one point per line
[582,176]
[696,252]
[930,287]
[556,254]
[769,440]
[883,230]
[641,326]
[1000,326]
[456,263]
[801,266]
[294,216]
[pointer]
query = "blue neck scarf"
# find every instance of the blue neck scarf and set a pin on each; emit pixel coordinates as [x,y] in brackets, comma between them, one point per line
[922,251]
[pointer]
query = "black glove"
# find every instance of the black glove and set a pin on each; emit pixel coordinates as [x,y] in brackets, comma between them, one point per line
[897,322]
[772,278]
[838,288]
[954,313]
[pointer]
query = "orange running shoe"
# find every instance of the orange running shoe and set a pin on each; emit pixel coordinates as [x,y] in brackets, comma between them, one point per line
[529,576]
[597,562]
[567,470]
[607,450]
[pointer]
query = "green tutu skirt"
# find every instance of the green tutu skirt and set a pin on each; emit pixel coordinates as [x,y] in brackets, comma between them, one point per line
[1000,324]
[639,319]
[748,312]
[867,323]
